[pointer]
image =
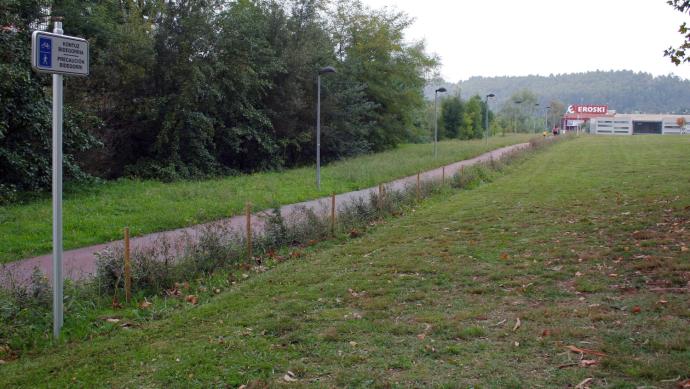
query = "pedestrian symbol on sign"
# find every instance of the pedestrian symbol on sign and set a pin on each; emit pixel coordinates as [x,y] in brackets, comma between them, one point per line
[45,52]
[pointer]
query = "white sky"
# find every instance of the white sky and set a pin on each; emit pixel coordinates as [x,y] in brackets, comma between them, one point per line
[522,37]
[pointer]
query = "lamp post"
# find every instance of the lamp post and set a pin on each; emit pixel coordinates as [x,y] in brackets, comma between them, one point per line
[546,116]
[534,121]
[325,70]
[486,116]
[441,89]
[518,102]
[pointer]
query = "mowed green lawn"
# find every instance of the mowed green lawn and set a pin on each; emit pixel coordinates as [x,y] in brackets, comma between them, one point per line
[584,242]
[98,214]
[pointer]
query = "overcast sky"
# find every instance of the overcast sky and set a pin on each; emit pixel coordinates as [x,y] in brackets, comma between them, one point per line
[512,37]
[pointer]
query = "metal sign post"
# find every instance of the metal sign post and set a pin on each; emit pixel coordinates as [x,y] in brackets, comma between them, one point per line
[58,54]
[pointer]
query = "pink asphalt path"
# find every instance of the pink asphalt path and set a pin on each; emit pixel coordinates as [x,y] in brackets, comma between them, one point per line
[81,263]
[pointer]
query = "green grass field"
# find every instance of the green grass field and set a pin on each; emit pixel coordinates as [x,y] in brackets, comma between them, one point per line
[584,242]
[98,214]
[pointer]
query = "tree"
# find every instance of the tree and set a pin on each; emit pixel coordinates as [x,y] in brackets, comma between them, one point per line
[452,112]
[472,119]
[555,113]
[516,110]
[194,88]
[680,54]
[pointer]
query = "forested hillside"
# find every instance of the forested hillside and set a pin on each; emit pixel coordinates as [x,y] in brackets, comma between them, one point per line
[188,89]
[624,91]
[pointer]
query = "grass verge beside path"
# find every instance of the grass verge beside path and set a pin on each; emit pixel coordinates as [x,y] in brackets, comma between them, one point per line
[585,243]
[97,214]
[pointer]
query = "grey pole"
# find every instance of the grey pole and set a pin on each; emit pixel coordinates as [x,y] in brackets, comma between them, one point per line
[327,69]
[318,132]
[57,196]
[486,118]
[546,117]
[435,124]
[441,89]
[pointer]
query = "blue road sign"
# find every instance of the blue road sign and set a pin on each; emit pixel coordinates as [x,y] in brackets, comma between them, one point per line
[59,54]
[45,51]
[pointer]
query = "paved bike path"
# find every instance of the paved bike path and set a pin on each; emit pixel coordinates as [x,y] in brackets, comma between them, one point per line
[81,263]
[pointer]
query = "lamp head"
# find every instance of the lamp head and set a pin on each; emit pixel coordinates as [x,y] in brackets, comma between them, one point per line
[441,89]
[327,69]
[490,95]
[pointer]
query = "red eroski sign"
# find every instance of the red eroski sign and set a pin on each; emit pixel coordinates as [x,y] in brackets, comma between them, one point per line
[594,110]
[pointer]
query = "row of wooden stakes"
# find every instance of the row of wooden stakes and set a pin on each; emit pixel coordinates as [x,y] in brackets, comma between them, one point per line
[248,214]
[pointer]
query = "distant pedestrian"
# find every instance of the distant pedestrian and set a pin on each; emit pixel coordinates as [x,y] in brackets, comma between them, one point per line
[555,131]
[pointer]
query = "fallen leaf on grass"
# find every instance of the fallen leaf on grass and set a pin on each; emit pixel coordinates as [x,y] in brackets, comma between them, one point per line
[290,377]
[183,285]
[145,304]
[192,299]
[683,384]
[636,309]
[518,323]
[583,384]
[588,362]
[112,320]
[354,293]
[354,233]
[353,343]
[545,333]
[662,302]
[578,350]
[174,292]
[421,336]
[505,256]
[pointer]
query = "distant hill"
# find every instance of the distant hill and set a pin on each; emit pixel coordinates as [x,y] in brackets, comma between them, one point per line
[624,91]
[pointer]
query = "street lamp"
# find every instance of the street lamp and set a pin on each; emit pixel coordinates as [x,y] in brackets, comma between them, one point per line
[518,102]
[546,116]
[441,89]
[325,70]
[534,121]
[486,117]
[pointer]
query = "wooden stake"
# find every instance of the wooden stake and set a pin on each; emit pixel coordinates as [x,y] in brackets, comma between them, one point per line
[380,196]
[128,268]
[333,214]
[248,211]
[419,194]
[443,175]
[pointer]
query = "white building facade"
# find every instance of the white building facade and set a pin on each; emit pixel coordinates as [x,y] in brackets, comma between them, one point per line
[639,124]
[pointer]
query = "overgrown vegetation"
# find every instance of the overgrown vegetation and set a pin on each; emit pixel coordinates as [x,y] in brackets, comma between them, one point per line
[191,89]
[209,260]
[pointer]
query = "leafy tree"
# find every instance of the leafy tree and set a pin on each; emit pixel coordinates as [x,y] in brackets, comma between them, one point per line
[472,119]
[452,112]
[193,88]
[679,54]
[517,110]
